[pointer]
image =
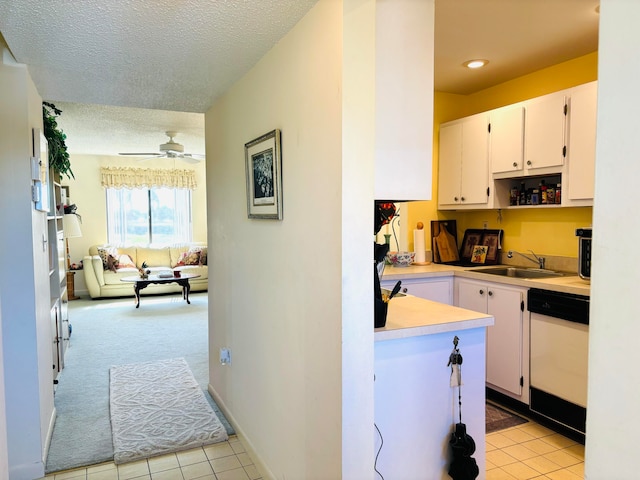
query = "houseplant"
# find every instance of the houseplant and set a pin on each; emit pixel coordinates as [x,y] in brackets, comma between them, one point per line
[58,155]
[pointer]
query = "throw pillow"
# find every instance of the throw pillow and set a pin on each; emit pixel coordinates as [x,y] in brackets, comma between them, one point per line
[104,253]
[203,256]
[192,257]
[112,263]
[125,261]
[117,262]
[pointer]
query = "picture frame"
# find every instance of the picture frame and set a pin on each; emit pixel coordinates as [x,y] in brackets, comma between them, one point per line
[491,239]
[471,239]
[479,254]
[263,162]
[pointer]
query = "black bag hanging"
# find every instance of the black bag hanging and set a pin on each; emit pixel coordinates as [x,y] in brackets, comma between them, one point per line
[463,466]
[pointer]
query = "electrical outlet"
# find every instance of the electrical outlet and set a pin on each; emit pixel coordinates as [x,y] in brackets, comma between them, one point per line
[225,356]
[485,224]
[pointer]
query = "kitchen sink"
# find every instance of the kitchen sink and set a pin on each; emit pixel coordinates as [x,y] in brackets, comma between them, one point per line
[518,272]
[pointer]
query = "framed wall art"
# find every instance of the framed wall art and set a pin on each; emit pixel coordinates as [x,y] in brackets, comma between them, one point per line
[264,176]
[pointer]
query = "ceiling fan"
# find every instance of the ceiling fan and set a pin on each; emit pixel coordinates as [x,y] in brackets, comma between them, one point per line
[171,149]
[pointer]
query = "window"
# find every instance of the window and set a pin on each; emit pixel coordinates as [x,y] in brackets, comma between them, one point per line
[148,215]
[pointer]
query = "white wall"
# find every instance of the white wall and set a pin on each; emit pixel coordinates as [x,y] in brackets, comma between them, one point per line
[4,448]
[613,421]
[24,293]
[275,287]
[89,196]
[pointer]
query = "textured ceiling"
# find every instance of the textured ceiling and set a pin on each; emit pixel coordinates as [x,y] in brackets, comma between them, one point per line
[121,69]
[166,54]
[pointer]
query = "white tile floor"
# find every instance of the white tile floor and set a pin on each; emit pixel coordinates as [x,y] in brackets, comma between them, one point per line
[531,451]
[527,451]
[220,461]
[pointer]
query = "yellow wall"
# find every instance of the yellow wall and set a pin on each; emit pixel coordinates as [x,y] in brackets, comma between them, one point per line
[546,231]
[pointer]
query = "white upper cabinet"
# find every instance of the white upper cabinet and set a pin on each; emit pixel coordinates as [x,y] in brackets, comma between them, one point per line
[404,99]
[463,177]
[507,140]
[580,170]
[544,134]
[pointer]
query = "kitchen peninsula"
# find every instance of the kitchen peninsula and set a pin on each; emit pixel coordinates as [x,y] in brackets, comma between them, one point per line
[415,406]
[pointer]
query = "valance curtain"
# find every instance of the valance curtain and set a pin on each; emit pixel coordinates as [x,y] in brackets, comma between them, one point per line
[129,177]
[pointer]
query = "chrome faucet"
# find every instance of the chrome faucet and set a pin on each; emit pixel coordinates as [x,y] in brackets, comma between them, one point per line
[538,260]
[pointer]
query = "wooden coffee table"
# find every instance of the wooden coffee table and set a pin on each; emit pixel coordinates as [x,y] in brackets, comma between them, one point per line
[140,283]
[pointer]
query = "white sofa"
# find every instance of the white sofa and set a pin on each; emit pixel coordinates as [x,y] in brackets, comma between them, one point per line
[103,278]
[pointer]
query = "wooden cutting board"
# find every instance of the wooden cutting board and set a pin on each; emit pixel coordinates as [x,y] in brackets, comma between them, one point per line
[447,248]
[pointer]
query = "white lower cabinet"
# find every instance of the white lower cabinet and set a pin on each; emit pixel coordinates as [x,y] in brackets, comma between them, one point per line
[439,289]
[507,339]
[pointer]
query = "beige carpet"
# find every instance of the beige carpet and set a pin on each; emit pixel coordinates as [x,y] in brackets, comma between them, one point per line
[157,408]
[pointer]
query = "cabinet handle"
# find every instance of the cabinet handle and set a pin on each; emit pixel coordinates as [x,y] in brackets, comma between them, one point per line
[462,199]
[529,162]
[481,292]
[455,199]
[490,293]
[405,290]
[515,164]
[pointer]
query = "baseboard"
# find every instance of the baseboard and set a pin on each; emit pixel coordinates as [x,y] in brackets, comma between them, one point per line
[47,444]
[260,465]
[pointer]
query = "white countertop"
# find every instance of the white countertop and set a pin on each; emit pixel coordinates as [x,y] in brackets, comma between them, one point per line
[569,283]
[411,316]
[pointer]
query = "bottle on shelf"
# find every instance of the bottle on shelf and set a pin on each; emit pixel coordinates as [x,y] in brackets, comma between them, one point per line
[551,195]
[558,194]
[535,196]
[543,193]
[522,199]
[514,195]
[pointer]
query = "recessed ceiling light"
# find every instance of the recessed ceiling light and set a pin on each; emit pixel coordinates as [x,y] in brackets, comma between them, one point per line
[475,63]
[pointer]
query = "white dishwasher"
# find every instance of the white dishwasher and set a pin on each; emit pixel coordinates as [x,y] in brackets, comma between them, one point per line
[559,356]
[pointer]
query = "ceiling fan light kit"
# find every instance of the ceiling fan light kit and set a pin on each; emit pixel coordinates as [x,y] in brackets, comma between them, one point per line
[171,145]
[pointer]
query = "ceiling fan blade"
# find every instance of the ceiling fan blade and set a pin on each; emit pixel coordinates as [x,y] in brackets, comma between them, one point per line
[155,154]
[191,159]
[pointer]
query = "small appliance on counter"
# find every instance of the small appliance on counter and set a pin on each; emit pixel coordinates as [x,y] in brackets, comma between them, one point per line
[584,252]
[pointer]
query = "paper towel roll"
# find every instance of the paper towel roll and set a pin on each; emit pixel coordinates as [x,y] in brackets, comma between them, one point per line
[418,246]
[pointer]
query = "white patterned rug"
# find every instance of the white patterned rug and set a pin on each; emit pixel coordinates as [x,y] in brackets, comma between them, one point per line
[158,407]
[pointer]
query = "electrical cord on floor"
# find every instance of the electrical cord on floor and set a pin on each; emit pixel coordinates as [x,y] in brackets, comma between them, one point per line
[375,463]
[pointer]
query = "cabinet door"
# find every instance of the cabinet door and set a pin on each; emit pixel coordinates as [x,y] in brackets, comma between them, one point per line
[544,132]
[507,140]
[504,338]
[582,143]
[472,296]
[436,290]
[450,161]
[475,161]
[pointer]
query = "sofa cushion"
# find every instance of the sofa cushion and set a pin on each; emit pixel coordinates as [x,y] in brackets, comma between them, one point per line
[154,257]
[195,269]
[114,278]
